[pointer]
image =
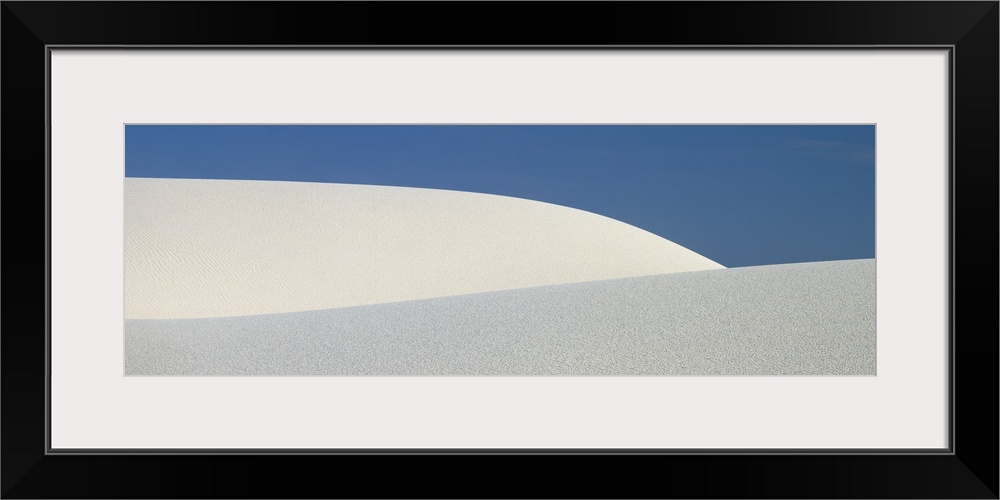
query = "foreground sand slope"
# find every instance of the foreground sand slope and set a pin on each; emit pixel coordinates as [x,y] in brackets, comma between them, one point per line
[212,248]
[794,319]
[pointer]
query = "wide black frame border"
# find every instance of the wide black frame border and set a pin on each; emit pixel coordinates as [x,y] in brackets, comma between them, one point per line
[970,28]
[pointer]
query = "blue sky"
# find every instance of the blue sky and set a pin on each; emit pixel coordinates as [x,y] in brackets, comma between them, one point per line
[741,195]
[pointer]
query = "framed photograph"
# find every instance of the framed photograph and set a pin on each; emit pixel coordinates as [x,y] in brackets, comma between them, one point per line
[731,251]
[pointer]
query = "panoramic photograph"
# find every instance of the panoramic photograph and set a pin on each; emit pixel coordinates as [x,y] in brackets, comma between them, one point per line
[499,250]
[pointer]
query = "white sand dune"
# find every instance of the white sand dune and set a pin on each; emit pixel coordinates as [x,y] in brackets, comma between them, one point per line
[216,248]
[794,319]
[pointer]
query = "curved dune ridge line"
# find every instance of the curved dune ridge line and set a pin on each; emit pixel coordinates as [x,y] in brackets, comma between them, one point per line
[214,248]
[792,319]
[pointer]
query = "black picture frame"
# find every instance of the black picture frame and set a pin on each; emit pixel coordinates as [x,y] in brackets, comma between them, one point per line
[968,470]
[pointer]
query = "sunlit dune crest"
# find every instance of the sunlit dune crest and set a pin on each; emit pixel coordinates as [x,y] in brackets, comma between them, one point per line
[214,248]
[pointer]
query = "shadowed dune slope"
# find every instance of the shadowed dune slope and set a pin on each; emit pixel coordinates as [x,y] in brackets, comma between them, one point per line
[794,319]
[214,248]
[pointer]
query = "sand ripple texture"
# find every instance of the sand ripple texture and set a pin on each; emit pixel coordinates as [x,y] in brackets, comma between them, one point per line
[216,248]
[793,319]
